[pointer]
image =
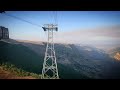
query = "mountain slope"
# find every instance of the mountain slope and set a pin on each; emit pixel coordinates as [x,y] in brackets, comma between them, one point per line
[27,59]
[117,56]
[9,71]
[20,56]
[115,53]
[74,61]
[77,61]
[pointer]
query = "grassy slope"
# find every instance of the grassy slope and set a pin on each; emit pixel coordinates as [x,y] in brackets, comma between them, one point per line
[20,56]
[9,71]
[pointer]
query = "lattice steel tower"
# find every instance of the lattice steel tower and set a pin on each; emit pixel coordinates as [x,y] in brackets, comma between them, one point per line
[50,70]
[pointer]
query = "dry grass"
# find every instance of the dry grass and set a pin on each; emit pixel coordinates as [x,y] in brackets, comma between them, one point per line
[8,71]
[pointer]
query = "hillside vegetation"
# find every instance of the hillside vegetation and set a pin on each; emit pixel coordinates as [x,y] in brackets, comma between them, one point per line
[9,71]
[74,61]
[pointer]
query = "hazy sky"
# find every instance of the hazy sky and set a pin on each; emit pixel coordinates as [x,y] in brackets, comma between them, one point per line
[99,27]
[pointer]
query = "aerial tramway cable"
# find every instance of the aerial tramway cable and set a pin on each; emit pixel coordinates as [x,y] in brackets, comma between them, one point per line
[18,18]
[22,19]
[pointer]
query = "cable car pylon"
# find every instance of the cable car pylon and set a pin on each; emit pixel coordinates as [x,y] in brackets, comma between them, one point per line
[50,70]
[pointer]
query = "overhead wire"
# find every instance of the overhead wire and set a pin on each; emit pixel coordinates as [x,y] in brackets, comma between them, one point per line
[55,17]
[22,19]
[18,18]
[56,23]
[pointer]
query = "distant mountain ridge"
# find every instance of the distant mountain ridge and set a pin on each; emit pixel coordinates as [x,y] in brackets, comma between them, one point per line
[74,61]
